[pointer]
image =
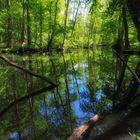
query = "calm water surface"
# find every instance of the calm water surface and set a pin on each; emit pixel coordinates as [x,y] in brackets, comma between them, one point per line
[82,76]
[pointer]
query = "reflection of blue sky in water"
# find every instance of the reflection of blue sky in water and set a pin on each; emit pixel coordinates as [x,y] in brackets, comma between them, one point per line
[54,113]
[81,116]
[78,80]
[13,136]
[77,86]
[100,95]
[81,82]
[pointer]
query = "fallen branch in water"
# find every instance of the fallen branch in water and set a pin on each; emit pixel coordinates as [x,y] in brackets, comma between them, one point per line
[26,70]
[132,72]
[82,130]
[30,95]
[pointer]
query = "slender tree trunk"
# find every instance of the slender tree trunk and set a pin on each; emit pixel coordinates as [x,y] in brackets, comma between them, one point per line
[35,34]
[23,22]
[41,24]
[67,2]
[126,44]
[50,30]
[28,24]
[9,25]
[133,6]
[52,34]
[125,24]
[75,18]
[123,38]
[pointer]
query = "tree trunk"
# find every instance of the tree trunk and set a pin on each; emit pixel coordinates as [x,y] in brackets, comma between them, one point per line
[50,26]
[75,18]
[67,2]
[52,34]
[133,6]
[28,24]
[9,26]
[125,24]
[41,24]
[23,22]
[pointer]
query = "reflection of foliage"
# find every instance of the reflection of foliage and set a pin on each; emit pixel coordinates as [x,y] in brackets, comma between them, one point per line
[52,111]
[87,107]
[98,103]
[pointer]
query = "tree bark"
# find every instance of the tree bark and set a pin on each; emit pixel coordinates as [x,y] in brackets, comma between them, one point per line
[53,30]
[9,25]
[23,22]
[67,2]
[28,23]
[75,18]
[41,24]
[134,8]
[125,24]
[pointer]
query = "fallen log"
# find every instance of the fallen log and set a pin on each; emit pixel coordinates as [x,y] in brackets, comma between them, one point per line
[84,129]
[30,95]
[26,70]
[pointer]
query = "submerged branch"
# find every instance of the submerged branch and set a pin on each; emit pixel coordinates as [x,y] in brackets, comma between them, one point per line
[35,93]
[26,70]
[132,72]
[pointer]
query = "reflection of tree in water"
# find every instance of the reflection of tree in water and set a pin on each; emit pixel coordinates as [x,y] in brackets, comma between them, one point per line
[93,103]
[93,96]
[83,84]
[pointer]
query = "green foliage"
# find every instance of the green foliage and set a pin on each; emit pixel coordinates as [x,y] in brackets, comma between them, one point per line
[96,22]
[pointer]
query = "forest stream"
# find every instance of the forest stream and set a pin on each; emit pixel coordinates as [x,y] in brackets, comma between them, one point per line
[69,69]
[86,83]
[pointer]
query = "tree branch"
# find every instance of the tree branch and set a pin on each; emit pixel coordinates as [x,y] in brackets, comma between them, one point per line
[26,70]
[30,95]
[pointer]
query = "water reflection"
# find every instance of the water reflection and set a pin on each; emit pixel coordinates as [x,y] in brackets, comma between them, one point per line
[81,76]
